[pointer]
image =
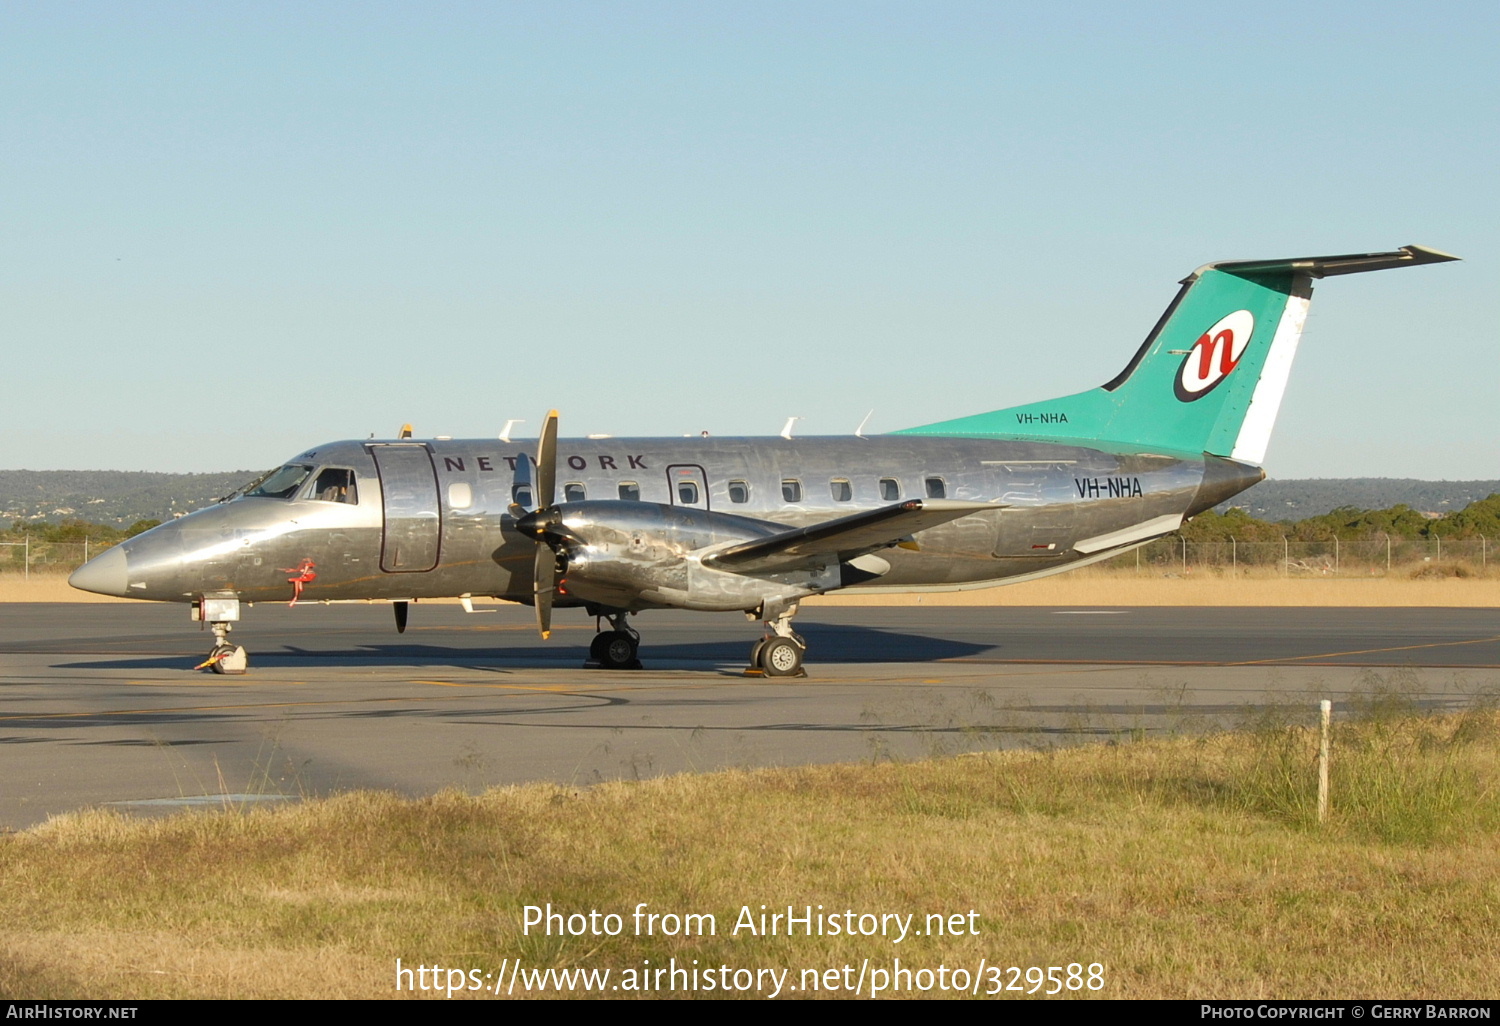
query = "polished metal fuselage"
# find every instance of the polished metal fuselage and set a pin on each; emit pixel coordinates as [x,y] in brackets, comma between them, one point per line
[414,535]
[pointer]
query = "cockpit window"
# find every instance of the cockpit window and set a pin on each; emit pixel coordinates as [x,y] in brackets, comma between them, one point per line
[283,484]
[335,485]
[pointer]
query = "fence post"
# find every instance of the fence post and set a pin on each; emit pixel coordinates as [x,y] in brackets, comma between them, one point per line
[1335,555]
[1286,558]
[1234,558]
[26,574]
[1438,538]
[1184,553]
[1387,552]
[85,548]
[1325,710]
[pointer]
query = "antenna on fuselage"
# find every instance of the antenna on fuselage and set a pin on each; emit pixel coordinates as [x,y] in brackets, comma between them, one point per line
[786,432]
[859,432]
[505,431]
[405,431]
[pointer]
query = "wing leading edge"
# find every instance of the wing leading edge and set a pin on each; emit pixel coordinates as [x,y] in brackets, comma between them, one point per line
[845,538]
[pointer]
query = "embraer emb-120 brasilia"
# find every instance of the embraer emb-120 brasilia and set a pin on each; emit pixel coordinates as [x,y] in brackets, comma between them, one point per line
[753,525]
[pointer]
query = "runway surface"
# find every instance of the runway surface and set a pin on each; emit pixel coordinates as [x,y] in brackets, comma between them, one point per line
[98,703]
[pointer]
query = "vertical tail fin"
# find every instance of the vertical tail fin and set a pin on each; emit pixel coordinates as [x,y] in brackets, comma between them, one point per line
[1210,376]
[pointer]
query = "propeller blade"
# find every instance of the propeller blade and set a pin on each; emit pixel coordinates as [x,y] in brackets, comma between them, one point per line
[400,608]
[546,585]
[546,464]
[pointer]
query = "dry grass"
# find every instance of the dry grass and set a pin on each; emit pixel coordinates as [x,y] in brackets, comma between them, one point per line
[46,588]
[1188,868]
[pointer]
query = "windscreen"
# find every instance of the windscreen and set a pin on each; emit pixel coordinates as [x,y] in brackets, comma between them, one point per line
[282,484]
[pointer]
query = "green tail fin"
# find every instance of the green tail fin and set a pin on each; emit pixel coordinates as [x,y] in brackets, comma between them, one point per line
[1210,376]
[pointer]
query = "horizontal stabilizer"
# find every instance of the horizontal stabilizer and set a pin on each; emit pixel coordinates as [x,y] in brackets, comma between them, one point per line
[1326,266]
[844,538]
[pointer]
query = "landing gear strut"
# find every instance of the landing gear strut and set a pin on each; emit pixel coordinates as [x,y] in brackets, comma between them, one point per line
[780,652]
[225,658]
[615,649]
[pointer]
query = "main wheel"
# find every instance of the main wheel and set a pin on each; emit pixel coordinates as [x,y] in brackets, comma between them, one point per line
[781,657]
[596,647]
[755,653]
[617,651]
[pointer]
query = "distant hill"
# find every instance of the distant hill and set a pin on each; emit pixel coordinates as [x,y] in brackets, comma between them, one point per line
[1311,497]
[122,497]
[117,497]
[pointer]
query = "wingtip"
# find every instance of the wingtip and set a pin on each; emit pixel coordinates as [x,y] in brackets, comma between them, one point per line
[1428,255]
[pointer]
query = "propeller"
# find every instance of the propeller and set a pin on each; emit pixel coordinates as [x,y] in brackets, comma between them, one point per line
[542,521]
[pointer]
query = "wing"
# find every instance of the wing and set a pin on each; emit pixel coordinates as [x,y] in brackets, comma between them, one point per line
[845,538]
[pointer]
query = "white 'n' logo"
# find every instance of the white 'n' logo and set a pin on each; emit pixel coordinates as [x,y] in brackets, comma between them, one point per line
[1214,355]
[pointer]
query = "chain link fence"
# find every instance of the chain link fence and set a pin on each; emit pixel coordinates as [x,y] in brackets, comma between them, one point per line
[32,556]
[1377,557]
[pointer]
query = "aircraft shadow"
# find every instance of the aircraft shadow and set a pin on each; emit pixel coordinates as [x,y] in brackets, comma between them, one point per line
[830,644]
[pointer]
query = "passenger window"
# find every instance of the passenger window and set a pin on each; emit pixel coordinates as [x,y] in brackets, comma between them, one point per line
[574,491]
[630,491]
[936,488]
[791,489]
[890,489]
[842,490]
[520,494]
[335,486]
[687,492]
[739,491]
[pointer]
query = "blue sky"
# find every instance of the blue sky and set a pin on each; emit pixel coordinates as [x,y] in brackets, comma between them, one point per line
[233,231]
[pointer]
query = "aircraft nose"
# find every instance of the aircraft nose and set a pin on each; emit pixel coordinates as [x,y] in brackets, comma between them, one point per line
[104,574]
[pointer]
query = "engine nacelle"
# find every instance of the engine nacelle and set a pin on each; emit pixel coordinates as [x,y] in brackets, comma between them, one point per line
[638,555]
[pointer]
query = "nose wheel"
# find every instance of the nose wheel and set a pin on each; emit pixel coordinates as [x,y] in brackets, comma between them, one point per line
[615,649]
[225,658]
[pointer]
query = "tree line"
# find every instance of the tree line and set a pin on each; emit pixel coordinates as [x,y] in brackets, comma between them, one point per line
[1348,523]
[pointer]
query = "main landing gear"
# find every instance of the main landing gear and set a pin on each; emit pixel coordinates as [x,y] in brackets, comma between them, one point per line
[615,649]
[781,651]
[225,658]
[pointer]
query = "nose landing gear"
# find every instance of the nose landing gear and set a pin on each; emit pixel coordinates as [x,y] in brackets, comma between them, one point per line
[225,658]
[219,611]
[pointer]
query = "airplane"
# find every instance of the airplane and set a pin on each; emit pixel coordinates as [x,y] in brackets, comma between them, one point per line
[617,526]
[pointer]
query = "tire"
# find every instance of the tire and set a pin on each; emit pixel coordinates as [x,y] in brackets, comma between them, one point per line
[781,657]
[755,653]
[596,647]
[617,650]
[230,659]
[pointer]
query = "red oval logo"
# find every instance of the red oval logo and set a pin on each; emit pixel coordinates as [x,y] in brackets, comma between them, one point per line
[1216,353]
